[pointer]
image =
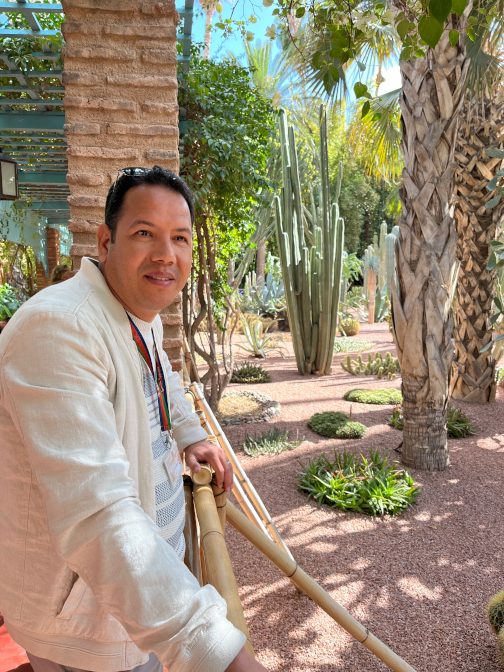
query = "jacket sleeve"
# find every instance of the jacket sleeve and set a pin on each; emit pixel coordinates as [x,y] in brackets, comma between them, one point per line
[61,408]
[186,425]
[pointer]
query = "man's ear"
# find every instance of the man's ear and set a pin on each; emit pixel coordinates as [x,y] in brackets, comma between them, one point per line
[103,236]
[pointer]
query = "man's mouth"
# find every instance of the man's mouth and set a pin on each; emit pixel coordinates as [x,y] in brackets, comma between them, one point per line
[161,279]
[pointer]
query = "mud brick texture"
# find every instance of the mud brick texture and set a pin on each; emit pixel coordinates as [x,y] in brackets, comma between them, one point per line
[120,77]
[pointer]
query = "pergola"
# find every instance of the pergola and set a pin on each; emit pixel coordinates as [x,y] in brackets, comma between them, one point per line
[32,119]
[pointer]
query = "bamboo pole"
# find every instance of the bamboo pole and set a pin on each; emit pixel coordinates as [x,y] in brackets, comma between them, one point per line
[220,502]
[314,591]
[238,491]
[192,553]
[218,565]
[238,469]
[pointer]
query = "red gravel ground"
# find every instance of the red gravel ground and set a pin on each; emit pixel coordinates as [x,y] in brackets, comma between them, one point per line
[419,582]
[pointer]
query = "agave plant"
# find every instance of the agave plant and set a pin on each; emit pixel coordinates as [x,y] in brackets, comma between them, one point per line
[267,298]
[259,340]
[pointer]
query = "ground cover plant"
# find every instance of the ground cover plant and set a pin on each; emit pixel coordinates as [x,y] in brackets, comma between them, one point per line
[273,442]
[336,425]
[372,487]
[458,424]
[378,396]
[346,344]
[375,366]
[249,373]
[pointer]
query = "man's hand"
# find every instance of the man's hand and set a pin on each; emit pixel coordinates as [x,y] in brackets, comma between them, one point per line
[202,451]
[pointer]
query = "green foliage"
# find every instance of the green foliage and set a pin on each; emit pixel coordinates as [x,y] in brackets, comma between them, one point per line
[345,344]
[495,611]
[369,486]
[9,302]
[378,396]
[352,267]
[273,442]
[458,424]
[249,373]
[226,150]
[336,425]
[375,366]
[258,338]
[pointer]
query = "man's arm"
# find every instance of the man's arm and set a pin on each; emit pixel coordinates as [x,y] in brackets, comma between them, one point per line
[59,403]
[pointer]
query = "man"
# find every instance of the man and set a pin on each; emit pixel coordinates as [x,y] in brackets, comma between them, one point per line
[92,420]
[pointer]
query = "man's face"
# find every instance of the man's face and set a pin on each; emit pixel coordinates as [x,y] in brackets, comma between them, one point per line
[150,259]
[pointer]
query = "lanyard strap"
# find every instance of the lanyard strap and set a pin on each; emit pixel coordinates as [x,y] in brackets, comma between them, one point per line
[164,411]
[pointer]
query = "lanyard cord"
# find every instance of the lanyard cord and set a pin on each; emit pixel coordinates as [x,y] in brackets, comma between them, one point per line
[164,411]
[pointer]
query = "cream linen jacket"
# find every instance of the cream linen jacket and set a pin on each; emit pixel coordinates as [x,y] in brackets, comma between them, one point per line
[86,580]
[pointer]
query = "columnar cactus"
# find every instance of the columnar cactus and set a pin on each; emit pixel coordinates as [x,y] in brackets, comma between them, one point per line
[310,243]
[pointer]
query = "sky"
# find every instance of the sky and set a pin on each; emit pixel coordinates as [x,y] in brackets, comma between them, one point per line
[244,8]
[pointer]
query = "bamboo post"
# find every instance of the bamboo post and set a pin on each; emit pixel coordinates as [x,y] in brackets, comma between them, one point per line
[314,591]
[220,502]
[192,553]
[218,565]
[239,471]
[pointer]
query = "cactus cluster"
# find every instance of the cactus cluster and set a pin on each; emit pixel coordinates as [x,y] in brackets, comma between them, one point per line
[375,366]
[310,243]
[379,270]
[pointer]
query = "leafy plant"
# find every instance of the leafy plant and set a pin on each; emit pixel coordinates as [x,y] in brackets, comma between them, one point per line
[379,396]
[345,344]
[376,366]
[267,298]
[458,424]
[273,442]
[336,425]
[9,302]
[349,326]
[369,486]
[250,373]
[259,340]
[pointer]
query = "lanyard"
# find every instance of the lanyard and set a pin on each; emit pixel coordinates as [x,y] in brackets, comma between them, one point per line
[164,411]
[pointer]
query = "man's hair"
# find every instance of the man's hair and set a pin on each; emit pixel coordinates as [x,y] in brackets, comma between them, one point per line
[156,176]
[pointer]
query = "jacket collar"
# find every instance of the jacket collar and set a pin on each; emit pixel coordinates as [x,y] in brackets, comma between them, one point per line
[92,276]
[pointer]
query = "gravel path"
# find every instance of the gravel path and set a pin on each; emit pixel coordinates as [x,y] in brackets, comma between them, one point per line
[419,582]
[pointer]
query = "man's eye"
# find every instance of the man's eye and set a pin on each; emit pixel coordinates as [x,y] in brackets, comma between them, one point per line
[143,233]
[182,239]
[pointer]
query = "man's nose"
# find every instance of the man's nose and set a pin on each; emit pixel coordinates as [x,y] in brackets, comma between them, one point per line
[164,251]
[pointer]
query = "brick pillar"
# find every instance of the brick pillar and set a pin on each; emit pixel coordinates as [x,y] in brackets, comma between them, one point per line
[121,107]
[42,280]
[53,249]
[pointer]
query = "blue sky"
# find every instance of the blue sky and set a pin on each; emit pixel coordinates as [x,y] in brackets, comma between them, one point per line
[244,8]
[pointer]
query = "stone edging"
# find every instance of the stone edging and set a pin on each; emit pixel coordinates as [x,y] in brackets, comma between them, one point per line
[270,410]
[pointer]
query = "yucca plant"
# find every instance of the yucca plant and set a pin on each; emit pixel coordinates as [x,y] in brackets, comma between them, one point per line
[372,487]
[259,340]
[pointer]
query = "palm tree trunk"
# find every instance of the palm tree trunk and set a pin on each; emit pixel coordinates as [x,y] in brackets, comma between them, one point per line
[261,264]
[482,126]
[432,95]
[209,9]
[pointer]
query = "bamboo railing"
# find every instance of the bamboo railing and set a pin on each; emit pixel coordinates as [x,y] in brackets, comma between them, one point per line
[212,509]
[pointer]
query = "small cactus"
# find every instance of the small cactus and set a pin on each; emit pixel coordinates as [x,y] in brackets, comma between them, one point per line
[495,612]
[380,372]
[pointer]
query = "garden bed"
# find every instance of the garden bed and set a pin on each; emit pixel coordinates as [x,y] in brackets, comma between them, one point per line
[419,581]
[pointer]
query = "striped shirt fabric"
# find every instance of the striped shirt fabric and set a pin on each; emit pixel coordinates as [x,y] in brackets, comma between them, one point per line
[170,502]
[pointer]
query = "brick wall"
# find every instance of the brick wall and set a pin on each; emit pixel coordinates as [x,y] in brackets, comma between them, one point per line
[121,110]
[42,280]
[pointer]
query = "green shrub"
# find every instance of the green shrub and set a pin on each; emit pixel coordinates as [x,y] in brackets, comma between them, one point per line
[495,612]
[347,344]
[458,424]
[336,426]
[379,396]
[249,373]
[367,486]
[9,302]
[272,442]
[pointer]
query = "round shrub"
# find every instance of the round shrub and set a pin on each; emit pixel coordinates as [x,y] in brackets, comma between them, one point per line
[374,396]
[495,612]
[249,373]
[336,425]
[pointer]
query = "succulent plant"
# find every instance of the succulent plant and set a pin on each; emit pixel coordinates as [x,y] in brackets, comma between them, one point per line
[249,373]
[336,425]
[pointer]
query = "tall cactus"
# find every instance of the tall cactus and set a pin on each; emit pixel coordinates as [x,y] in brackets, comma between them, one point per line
[310,242]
